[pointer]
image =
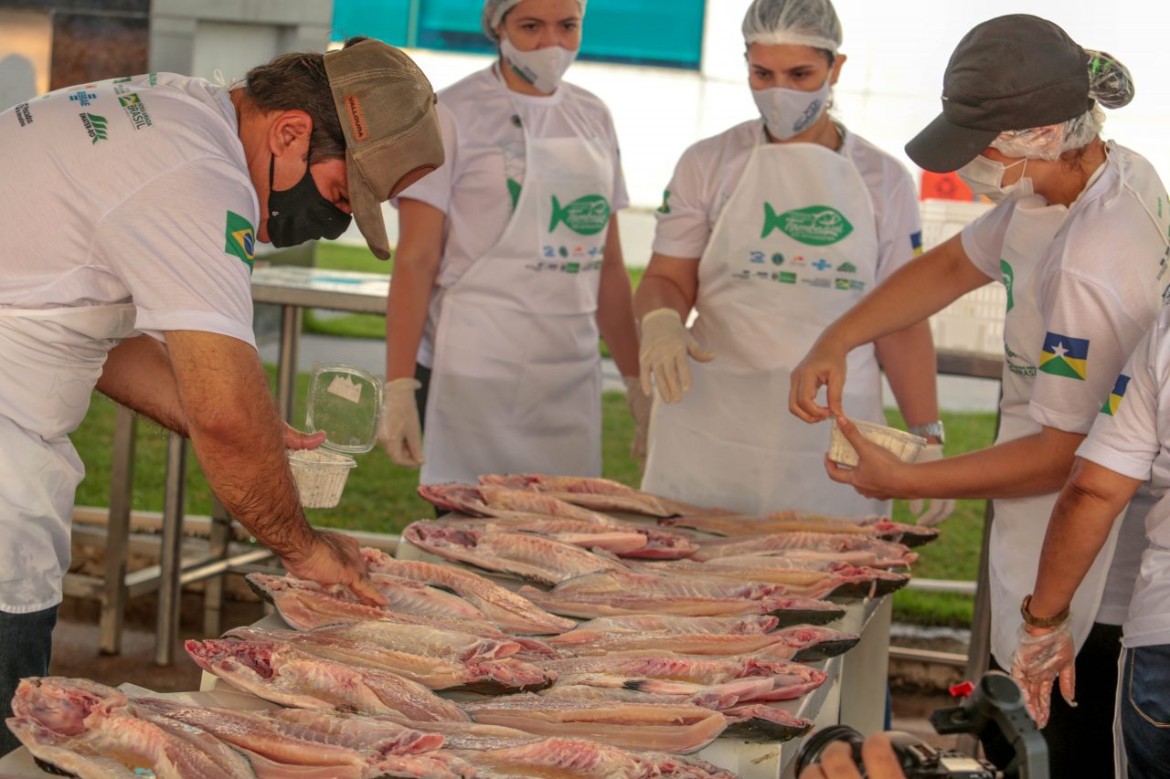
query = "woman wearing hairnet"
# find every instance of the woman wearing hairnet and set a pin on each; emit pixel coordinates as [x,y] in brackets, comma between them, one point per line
[509,267]
[769,231]
[1078,237]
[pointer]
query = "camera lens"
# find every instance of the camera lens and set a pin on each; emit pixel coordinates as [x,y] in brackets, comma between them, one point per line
[810,751]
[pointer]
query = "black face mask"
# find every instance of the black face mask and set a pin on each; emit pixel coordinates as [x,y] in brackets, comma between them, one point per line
[300,213]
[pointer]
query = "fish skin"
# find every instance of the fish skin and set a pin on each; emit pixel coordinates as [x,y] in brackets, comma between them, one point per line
[761,722]
[282,674]
[491,501]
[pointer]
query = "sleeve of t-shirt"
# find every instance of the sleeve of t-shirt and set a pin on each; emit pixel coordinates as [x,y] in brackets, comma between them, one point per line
[899,225]
[1124,436]
[682,227]
[434,189]
[983,238]
[182,244]
[1088,335]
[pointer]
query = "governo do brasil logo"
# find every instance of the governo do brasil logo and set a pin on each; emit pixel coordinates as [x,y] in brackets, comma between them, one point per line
[812,225]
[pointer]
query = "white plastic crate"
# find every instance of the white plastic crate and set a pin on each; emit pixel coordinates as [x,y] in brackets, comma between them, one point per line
[974,322]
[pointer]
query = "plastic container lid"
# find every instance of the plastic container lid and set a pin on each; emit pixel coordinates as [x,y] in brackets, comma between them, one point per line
[344,401]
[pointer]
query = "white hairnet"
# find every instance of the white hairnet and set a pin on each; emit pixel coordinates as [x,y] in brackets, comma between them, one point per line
[494,10]
[1110,84]
[795,22]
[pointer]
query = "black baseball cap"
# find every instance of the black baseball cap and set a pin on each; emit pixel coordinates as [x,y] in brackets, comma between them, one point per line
[1013,72]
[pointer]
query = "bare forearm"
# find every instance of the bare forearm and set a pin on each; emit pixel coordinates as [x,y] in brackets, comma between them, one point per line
[669,282]
[1081,520]
[406,316]
[921,288]
[908,359]
[238,437]
[615,310]
[416,266]
[1033,465]
[138,374]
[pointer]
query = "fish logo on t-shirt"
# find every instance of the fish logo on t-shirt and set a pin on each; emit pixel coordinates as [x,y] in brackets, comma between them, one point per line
[812,225]
[1114,401]
[241,239]
[587,215]
[1064,356]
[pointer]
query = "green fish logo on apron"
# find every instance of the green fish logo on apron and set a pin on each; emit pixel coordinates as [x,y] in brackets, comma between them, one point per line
[587,215]
[812,225]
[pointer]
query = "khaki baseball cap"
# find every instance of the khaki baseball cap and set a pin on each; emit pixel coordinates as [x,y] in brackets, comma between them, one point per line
[387,111]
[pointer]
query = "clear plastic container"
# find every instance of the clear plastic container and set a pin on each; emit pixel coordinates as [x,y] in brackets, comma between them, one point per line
[344,401]
[905,445]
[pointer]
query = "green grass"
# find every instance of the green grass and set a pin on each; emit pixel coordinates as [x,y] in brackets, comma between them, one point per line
[336,256]
[381,497]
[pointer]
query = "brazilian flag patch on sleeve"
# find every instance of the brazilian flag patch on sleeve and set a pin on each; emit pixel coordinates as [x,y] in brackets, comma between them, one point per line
[241,239]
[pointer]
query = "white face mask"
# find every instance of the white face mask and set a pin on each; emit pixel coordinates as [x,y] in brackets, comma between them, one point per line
[542,68]
[985,177]
[788,112]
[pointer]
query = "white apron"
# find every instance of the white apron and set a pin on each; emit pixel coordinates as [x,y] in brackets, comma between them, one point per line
[1017,533]
[793,249]
[516,380]
[52,360]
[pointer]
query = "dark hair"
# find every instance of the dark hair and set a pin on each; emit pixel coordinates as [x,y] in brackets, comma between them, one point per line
[297,81]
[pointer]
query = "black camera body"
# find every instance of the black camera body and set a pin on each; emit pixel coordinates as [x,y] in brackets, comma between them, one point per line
[994,711]
[918,759]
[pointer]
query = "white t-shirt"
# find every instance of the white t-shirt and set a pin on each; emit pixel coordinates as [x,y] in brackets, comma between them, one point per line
[709,171]
[130,190]
[1102,285]
[1132,437]
[483,125]
[127,199]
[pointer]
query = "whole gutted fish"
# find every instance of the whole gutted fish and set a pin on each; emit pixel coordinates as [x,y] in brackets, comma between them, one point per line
[343,746]
[800,521]
[591,493]
[886,553]
[530,557]
[578,532]
[789,679]
[305,605]
[490,501]
[434,673]
[834,581]
[284,674]
[717,697]
[91,731]
[502,606]
[667,623]
[681,728]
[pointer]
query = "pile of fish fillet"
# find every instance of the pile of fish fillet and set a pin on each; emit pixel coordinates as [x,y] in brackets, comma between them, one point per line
[566,627]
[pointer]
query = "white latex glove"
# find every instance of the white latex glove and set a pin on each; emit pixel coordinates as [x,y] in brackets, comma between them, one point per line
[666,344]
[928,512]
[399,430]
[1038,660]
[639,404]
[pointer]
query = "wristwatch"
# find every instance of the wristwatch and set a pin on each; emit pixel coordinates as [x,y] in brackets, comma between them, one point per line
[1040,622]
[930,429]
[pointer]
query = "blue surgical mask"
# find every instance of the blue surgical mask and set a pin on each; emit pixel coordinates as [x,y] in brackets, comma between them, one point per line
[985,177]
[789,112]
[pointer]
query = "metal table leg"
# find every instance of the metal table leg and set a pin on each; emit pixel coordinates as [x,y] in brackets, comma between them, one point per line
[286,371]
[218,543]
[113,601]
[170,553]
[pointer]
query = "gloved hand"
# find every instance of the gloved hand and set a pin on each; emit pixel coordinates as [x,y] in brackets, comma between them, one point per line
[928,512]
[1044,654]
[639,404]
[666,344]
[399,430]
